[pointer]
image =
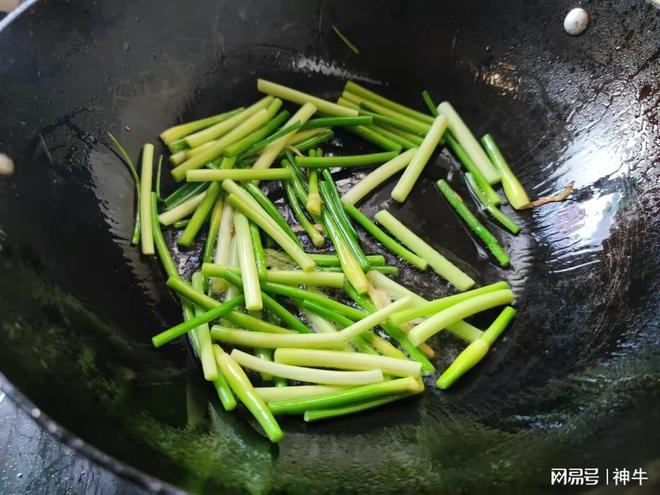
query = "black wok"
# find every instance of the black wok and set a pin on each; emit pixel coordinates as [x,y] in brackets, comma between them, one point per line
[574,383]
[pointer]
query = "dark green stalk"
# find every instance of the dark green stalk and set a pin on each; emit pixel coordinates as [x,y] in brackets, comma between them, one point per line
[335,197]
[315,236]
[322,260]
[259,254]
[201,214]
[214,227]
[380,119]
[429,103]
[367,133]
[318,414]
[135,238]
[159,241]
[272,210]
[273,137]
[338,122]
[181,224]
[514,191]
[482,232]
[383,238]
[315,140]
[405,143]
[346,41]
[469,165]
[183,193]
[345,161]
[494,211]
[248,141]
[186,326]
[385,269]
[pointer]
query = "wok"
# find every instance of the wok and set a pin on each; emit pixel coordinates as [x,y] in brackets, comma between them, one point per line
[574,382]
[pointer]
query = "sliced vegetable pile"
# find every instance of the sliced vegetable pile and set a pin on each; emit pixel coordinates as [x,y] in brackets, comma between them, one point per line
[332,332]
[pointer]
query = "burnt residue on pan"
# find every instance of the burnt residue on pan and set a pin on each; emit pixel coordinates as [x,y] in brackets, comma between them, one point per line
[573,382]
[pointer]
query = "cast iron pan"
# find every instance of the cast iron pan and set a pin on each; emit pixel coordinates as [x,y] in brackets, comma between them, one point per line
[574,383]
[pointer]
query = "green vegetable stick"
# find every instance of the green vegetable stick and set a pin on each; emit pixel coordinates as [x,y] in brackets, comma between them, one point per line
[405,143]
[272,211]
[363,92]
[514,191]
[469,143]
[349,264]
[495,212]
[237,174]
[374,179]
[250,277]
[384,239]
[159,241]
[333,260]
[349,396]
[338,121]
[314,202]
[466,161]
[333,412]
[183,328]
[413,138]
[199,217]
[301,98]
[473,353]
[269,394]
[441,265]
[214,228]
[221,128]
[405,122]
[429,103]
[286,129]
[458,311]
[182,130]
[240,384]
[418,162]
[369,134]
[482,232]
[271,152]
[183,193]
[347,361]
[135,238]
[287,277]
[182,210]
[309,375]
[259,254]
[314,234]
[248,141]
[345,161]
[146,175]
[351,46]
[203,337]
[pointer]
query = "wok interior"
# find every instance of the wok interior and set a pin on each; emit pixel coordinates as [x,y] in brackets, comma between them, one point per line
[572,383]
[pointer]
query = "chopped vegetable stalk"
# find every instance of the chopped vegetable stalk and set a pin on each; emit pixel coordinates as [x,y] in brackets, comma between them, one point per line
[346,41]
[314,234]
[287,129]
[338,121]
[349,264]
[182,210]
[249,275]
[470,167]
[512,188]
[240,384]
[495,212]
[287,277]
[269,394]
[199,217]
[309,375]
[135,238]
[429,308]
[405,122]
[333,260]
[441,265]
[146,176]
[259,254]
[214,228]
[186,326]
[243,129]
[413,138]
[475,225]
[473,353]
[159,241]
[272,211]
[334,197]
[237,174]
[182,130]
[419,161]
[179,157]
[458,311]
[347,361]
[223,246]
[203,337]
[333,412]
[318,138]
[271,152]
[363,92]
[310,340]
[469,143]
[374,179]
[345,397]
[429,103]
[301,98]
[384,239]
[369,134]
[396,122]
[242,200]
[183,193]
[345,161]
[250,140]
[405,143]
[222,128]
[313,205]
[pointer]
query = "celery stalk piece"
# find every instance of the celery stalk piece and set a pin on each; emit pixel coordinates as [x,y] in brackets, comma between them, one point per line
[333,412]
[514,191]
[203,336]
[441,265]
[159,241]
[199,217]
[271,152]
[345,161]
[250,277]
[237,174]
[182,210]
[485,203]
[469,143]
[359,90]
[146,179]
[309,375]
[301,98]
[418,162]
[180,131]
[269,394]
[243,145]
[458,311]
